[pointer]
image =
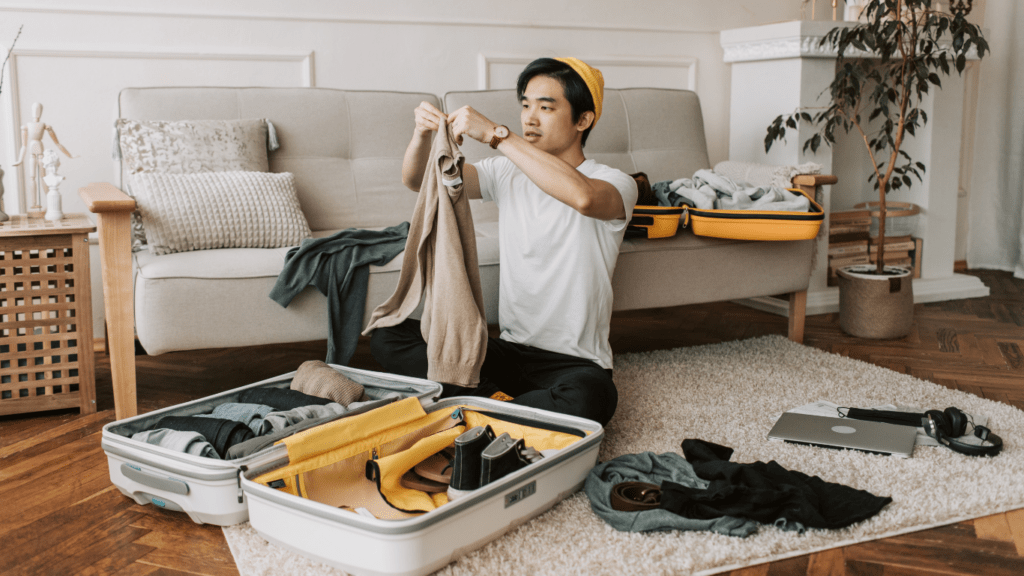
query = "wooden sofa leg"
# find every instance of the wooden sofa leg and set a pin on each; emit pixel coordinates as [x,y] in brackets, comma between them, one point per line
[797,315]
[113,209]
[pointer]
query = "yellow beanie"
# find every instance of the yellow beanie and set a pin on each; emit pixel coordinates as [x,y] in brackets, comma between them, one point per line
[594,80]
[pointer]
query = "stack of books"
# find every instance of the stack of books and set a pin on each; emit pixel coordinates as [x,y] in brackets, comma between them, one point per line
[848,241]
[899,251]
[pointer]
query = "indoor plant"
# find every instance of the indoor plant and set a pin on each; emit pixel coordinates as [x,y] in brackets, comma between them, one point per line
[885,65]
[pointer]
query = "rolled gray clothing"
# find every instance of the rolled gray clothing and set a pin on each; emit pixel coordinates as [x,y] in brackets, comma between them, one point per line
[653,468]
[260,442]
[188,442]
[249,414]
[277,421]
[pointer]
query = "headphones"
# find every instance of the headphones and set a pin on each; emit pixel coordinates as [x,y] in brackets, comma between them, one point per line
[948,425]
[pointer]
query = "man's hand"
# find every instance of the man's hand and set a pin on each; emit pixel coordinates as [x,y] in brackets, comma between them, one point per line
[428,118]
[467,121]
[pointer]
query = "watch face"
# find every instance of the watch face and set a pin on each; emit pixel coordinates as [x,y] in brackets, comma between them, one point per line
[501,132]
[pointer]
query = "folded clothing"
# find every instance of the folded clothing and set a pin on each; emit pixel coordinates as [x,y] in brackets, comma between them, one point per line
[221,433]
[269,439]
[279,398]
[249,414]
[179,441]
[316,378]
[278,421]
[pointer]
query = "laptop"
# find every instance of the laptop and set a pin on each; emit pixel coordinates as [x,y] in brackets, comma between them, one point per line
[875,437]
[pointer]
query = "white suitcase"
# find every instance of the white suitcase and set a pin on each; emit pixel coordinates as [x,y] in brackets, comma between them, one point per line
[422,544]
[207,489]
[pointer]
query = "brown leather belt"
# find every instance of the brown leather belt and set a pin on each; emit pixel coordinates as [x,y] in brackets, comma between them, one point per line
[635,496]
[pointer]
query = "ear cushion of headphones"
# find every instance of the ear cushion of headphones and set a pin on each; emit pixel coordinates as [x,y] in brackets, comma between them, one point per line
[951,422]
[942,427]
[957,421]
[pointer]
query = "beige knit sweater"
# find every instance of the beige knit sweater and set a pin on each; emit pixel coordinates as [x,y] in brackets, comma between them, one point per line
[439,266]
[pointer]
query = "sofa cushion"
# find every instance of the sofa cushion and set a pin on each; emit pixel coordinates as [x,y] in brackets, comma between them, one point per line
[208,210]
[234,308]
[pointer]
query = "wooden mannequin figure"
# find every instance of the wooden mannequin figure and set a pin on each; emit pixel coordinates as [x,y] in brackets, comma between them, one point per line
[32,140]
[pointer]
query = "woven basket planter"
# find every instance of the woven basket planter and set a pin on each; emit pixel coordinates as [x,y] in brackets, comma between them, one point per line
[876,306]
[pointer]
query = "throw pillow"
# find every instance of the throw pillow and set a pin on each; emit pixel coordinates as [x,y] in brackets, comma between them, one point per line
[189,146]
[209,210]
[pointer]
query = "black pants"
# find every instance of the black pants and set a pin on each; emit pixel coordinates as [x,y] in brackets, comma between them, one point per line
[533,377]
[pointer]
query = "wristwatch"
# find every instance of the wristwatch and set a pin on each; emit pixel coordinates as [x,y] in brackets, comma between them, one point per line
[500,133]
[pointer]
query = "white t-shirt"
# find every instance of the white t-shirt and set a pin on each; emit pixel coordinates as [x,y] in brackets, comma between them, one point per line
[556,264]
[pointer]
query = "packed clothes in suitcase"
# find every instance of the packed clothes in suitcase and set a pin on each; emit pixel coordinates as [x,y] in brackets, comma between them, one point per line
[207,487]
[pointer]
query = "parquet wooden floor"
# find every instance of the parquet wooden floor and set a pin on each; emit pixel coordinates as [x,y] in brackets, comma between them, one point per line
[60,515]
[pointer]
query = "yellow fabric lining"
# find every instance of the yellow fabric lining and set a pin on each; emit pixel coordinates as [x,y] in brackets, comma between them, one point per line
[534,437]
[324,438]
[362,443]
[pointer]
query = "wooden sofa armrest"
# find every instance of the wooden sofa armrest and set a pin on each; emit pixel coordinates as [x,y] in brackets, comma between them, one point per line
[809,183]
[114,227]
[814,179]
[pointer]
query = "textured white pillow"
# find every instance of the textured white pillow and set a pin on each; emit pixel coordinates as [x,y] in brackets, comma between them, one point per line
[208,210]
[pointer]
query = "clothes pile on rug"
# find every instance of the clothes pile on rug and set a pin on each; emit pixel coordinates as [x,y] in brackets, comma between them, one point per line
[705,491]
[262,416]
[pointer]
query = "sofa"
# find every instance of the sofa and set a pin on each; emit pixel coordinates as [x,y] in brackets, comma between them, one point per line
[345,150]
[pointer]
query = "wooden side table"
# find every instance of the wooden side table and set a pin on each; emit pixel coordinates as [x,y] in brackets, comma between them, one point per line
[46,348]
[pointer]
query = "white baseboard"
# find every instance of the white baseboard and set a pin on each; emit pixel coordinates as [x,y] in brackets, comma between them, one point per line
[926,290]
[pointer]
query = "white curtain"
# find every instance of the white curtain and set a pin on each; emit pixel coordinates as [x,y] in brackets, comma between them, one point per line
[995,238]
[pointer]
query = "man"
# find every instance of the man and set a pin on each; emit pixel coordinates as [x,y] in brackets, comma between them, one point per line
[562,218]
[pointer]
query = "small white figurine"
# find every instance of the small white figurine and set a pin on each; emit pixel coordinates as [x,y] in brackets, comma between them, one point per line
[32,140]
[51,162]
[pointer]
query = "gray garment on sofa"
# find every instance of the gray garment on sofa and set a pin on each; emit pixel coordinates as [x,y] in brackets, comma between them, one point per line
[277,421]
[249,414]
[187,442]
[339,266]
[653,468]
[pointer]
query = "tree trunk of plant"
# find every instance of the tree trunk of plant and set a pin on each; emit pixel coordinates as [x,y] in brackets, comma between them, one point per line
[880,265]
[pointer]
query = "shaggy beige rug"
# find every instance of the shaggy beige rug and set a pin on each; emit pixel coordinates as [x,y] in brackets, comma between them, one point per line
[731,394]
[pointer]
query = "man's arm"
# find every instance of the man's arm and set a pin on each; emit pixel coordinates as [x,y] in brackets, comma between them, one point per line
[417,155]
[588,196]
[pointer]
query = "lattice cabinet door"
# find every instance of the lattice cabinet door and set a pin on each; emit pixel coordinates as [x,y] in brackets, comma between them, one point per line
[46,345]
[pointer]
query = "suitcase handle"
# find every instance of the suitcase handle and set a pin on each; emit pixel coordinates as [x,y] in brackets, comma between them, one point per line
[154,481]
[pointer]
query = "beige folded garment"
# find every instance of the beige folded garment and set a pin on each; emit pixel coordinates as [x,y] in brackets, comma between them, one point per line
[316,378]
